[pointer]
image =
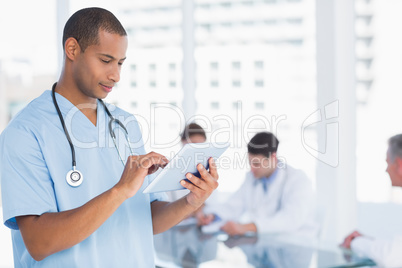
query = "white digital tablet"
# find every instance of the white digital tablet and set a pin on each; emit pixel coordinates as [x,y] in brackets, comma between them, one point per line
[185,161]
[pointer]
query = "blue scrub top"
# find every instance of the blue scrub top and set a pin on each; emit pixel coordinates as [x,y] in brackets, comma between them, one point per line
[34,162]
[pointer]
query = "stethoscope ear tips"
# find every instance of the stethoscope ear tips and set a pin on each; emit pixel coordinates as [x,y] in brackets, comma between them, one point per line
[74,178]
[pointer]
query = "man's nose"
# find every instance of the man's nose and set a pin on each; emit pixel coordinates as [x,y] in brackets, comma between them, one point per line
[114,74]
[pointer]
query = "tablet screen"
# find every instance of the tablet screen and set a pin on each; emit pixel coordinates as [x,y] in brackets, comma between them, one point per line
[186,160]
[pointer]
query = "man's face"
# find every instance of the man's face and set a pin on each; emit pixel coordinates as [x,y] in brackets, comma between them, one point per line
[97,69]
[394,170]
[195,138]
[262,166]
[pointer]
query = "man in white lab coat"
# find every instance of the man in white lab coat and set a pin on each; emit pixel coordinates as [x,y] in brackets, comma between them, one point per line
[274,198]
[386,253]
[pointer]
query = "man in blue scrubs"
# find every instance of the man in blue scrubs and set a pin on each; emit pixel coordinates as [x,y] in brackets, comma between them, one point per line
[106,221]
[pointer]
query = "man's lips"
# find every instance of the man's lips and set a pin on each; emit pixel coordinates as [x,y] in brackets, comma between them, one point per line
[107,88]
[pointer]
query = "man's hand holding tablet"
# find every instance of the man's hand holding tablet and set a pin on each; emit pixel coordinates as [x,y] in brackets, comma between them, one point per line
[190,164]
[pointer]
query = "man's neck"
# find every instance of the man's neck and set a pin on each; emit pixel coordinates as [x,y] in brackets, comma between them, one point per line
[87,105]
[71,92]
[270,172]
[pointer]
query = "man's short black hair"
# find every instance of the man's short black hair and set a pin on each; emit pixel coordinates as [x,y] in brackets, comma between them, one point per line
[192,129]
[84,26]
[264,143]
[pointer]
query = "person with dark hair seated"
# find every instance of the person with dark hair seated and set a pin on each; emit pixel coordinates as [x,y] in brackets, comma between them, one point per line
[274,198]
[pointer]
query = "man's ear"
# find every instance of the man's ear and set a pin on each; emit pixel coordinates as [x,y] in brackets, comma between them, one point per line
[71,48]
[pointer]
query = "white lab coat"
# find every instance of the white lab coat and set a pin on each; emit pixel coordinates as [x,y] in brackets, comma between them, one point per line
[385,253]
[288,205]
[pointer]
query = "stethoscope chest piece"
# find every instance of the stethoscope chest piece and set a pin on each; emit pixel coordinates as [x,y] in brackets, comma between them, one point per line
[74,178]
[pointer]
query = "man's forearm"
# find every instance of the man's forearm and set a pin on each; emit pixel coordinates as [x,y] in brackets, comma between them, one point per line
[166,215]
[53,232]
[249,227]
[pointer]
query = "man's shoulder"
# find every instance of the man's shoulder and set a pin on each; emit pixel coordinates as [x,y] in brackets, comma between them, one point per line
[31,114]
[117,111]
[249,177]
[295,175]
[129,120]
[29,121]
[292,170]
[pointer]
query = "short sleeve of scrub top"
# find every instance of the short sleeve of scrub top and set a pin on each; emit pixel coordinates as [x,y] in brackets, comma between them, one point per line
[27,188]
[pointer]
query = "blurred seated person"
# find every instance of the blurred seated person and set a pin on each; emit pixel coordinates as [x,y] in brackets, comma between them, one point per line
[274,197]
[386,253]
[192,133]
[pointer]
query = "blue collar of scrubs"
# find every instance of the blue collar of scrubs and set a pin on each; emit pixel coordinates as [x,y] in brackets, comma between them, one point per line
[266,181]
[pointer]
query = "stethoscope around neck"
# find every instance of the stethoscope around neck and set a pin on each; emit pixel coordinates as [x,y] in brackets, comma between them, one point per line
[74,177]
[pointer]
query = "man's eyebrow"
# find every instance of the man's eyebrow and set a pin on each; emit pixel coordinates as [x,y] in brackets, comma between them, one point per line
[110,57]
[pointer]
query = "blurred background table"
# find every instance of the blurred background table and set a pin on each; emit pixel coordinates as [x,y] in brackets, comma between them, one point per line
[187,246]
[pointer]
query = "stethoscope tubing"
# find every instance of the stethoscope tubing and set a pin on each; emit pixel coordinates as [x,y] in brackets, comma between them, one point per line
[64,125]
[71,181]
